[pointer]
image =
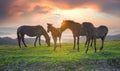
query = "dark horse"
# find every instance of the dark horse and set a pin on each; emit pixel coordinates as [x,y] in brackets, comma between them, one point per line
[56,32]
[77,30]
[101,33]
[90,33]
[32,31]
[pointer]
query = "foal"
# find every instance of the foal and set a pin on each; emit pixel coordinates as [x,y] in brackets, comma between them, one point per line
[55,33]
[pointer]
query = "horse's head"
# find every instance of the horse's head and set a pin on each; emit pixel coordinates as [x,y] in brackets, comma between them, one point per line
[49,27]
[48,41]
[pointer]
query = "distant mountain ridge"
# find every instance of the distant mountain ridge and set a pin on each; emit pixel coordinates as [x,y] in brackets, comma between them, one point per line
[113,37]
[10,41]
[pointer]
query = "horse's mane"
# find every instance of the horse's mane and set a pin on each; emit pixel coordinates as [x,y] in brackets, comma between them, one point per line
[87,24]
[101,26]
[43,29]
[70,22]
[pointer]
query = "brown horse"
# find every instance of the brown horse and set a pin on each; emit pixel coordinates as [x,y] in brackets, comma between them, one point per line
[78,30]
[32,31]
[55,33]
[101,33]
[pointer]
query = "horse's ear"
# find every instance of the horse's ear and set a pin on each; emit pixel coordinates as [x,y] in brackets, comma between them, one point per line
[47,23]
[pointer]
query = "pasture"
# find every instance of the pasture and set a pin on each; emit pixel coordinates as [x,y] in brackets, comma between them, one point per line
[13,56]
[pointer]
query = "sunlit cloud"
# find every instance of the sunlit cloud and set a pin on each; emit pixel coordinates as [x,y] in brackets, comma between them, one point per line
[32,12]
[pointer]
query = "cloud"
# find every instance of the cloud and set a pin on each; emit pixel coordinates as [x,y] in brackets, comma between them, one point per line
[107,6]
[13,10]
[3,33]
[4,4]
[17,8]
[111,7]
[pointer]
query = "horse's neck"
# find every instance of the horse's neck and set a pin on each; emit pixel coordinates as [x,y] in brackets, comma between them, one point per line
[44,33]
[73,28]
[59,30]
[53,29]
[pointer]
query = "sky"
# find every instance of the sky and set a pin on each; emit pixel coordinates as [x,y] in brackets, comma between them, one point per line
[14,13]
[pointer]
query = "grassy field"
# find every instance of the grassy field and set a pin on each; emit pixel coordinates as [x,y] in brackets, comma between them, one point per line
[10,55]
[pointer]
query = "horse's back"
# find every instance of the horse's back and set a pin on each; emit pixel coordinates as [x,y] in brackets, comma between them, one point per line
[23,29]
[29,30]
[102,31]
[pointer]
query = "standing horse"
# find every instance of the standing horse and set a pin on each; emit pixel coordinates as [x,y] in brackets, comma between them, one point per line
[77,30]
[91,33]
[101,33]
[55,33]
[31,31]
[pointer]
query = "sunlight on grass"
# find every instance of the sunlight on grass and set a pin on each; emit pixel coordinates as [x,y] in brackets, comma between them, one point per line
[14,54]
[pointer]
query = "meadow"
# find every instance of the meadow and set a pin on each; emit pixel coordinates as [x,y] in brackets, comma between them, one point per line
[13,55]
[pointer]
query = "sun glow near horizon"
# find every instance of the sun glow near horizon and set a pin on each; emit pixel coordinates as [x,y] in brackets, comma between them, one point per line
[83,14]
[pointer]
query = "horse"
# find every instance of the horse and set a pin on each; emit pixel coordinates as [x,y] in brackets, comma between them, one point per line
[101,33]
[31,31]
[77,30]
[91,33]
[55,33]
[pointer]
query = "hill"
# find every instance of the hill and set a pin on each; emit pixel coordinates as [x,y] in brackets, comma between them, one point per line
[10,41]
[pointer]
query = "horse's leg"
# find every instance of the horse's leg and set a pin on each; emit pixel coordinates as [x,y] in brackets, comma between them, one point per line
[91,42]
[19,42]
[60,41]
[55,40]
[23,41]
[19,39]
[35,41]
[39,40]
[102,43]
[78,43]
[95,44]
[74,42]
[87,49]
[88,41]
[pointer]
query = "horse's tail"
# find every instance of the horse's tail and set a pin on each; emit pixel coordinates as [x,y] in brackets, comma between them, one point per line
[18,38]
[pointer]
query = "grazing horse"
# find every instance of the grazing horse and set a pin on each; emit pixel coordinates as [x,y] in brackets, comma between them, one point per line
[101,33]
[77,30]
[55,33]
[32,31]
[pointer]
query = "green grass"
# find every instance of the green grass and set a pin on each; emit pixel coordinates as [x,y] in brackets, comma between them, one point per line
[14,55]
